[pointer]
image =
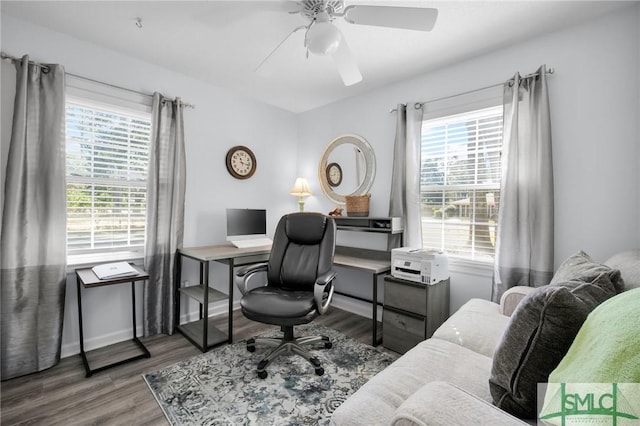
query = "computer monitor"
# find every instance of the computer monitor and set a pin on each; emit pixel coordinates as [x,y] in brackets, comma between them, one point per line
[246,224]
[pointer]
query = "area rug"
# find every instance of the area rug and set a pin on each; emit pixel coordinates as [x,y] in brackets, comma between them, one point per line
[221,387]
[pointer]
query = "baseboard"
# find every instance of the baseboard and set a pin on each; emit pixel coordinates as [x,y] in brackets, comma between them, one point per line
[73,348]
[346,303]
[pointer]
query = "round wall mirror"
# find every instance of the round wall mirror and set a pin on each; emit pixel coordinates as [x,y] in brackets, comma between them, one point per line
[348,167]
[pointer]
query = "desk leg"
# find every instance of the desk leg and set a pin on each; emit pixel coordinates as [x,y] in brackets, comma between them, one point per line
[82,354]
[133,309]
[374,337]
[176,295]
[230,330]
[204,272]
[202,266]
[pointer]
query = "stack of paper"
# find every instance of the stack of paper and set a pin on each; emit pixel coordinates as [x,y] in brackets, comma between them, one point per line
[114,270]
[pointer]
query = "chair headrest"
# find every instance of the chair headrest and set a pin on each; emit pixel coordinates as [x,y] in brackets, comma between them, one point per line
[305,228]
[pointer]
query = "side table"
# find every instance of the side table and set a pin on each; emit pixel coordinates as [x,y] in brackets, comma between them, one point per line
[85,277]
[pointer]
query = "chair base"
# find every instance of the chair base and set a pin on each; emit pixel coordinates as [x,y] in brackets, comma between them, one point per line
[288,344]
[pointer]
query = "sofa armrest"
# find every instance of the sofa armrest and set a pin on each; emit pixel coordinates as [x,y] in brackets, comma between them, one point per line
[441,403]
[512,297]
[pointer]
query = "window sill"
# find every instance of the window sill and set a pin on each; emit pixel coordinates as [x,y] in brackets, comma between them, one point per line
[77,261]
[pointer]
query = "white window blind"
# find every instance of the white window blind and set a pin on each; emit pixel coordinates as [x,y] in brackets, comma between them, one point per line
[107,150]
[460,182]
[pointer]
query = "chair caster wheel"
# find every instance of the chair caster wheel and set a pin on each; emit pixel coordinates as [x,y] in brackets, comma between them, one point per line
[251,345]
[262,374]
[320,371]
[328,345]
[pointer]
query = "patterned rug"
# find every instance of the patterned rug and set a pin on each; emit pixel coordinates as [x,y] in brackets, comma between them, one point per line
[221,387]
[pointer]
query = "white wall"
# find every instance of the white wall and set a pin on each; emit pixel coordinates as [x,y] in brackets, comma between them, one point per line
[219,121]
[594,108]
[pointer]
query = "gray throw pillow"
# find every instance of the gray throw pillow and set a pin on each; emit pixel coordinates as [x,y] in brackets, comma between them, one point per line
[538,336]
[580,267]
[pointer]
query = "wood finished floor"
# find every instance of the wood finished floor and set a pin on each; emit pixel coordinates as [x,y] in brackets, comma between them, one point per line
[62,395]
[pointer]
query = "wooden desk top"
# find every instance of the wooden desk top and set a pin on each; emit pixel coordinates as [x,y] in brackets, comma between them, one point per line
[222,251]
[374,261]
[89,279]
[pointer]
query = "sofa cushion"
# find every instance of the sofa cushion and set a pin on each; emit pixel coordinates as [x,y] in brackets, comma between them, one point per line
[580,267]
[443,404]
[477,325]
[431,360]
[538,335]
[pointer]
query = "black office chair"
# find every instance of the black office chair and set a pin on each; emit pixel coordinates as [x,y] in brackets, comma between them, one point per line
[299,285]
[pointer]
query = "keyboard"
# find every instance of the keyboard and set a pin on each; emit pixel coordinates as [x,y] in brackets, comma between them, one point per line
[258,242]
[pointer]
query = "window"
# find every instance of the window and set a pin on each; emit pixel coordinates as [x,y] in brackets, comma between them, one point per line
[460,182]
[107,151]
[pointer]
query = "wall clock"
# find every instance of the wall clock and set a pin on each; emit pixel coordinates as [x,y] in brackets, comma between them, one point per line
[241,162]
[334,174]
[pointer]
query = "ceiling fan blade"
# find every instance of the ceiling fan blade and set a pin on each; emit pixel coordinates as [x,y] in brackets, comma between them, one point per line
[409,18]
[346,64]
[278,46]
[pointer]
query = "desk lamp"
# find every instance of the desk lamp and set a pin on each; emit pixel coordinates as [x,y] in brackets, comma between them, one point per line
[301,189]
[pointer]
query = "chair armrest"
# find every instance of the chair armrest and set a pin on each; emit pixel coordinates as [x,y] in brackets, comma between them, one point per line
[244,273]
[443,404]
[320,294]
[512,297]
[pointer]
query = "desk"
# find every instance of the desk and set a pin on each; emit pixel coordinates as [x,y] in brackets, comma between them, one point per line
[374,261]
[85,277]
[201,333]
[205,335]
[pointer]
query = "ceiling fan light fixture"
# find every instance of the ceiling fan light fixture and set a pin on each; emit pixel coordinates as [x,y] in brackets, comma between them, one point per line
[323,38]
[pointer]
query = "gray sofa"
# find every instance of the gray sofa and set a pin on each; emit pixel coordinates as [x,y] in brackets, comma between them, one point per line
[445,380]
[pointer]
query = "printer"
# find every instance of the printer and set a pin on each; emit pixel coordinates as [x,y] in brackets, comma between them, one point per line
[419,265]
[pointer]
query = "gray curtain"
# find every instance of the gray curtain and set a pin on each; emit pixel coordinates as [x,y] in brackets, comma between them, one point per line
[404,199]
[165,213]
[34,223]
[524,243]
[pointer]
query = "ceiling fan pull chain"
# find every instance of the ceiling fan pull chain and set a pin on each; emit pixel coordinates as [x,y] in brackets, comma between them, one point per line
[278,46]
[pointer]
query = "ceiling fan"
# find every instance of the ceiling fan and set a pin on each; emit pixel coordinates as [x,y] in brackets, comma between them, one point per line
[322,37]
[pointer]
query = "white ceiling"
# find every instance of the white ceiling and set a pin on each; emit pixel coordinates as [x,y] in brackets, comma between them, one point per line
[222,42]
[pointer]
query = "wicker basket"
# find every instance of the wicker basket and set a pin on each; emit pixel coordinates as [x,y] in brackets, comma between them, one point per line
[358,205]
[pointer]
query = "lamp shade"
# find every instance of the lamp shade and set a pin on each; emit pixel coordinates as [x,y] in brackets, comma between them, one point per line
[323,38]
[301,188]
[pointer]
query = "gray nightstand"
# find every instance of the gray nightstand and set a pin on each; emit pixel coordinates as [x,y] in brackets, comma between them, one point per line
[412,312]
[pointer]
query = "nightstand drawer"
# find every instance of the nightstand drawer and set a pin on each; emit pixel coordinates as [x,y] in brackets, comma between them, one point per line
[402,332]
[406,296]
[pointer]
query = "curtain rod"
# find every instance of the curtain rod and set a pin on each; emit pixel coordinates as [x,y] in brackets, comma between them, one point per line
[418,105]
[14,59]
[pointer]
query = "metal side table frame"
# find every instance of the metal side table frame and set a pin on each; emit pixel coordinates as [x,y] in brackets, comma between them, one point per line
[85,277]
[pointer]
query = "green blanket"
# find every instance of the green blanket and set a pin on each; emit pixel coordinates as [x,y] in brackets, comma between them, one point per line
[607,347]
